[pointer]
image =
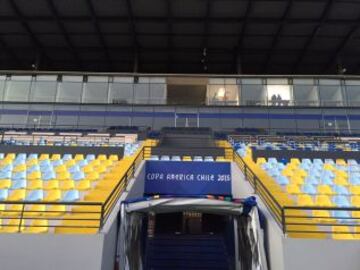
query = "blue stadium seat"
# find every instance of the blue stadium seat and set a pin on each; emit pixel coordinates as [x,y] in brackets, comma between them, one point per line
[71,196]
[4,193]
[341,201]
[309,189]
[35,196]
[18,184]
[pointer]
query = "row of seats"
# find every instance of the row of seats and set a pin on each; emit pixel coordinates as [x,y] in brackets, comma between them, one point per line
[187,158]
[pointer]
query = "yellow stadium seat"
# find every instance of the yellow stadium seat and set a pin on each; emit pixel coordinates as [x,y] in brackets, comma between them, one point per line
[100,169]
[52,184]
[114,157]
[325,189]
[305,200]
[102,157]
[107,163]
[67,185]
[288,172]
[17,195]
[55,210]
[60,169]
[32,162]
[187,158]
[293,189]
[340,181]
[341,162]
[5,183]
[20,168]
[55,157]
[95,162]
[328,166]
[83,185]
[70,163]
[35,184]
[342,233]
[44,156]
[63,176]
[341,174]
[323,200]
[10,156]
[92,176]
[12,226]
[37,226]
[35,175]
[96,196]
[79,157]
[88,168]
[13,210]
[35,210]
[322,215]
[296,179]
[53,196]
[295,161]
[355,201]
[355,190]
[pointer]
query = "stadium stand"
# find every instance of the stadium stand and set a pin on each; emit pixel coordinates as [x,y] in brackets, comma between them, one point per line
[311,198]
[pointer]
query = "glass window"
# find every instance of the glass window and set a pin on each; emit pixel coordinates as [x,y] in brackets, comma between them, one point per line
[142,91]
[222,94]
[70,89]
[44,89]
[96,90]
[18,88]
[122,90]
[2,86]
[330,93]
[279,94]
[305,92]
[253,92]
[353,92]
[157,93]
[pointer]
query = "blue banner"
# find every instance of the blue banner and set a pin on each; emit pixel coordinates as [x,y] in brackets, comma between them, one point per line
[187,178]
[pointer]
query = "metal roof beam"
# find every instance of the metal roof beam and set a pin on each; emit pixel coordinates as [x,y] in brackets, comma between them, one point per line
[135,41]
[314,33]
[99,33]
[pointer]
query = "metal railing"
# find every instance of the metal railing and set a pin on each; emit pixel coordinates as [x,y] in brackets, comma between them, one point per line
[64,217]
[304,221]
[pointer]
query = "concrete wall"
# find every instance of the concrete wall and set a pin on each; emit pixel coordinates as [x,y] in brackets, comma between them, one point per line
[50,252]
[325,254]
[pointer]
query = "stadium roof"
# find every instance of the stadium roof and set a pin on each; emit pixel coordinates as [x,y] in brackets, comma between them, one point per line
[181,36]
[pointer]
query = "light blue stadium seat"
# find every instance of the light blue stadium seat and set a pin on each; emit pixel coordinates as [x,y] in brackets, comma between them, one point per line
[78,175]
[4,193]
[309,189]
[175,158]
[341,201]
[165,158]
[48,175]
[5,175]
[154,157]
[282,180]
[66,157]
[208,159]
[33,168]
[329,161]
[341,190]
[274,172]
[57,162]
[341,215]
[7,168]
[267,166]
[18,184]
[305,166]
[71,196]
[82,162]
[35,196]
[19,176]
[45,163]
[318,161]
[352,162]
[272,160]
[198,158]
[33,156]
[90,157]
[354,180]
[2,155]
[74,169]
[313,180]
